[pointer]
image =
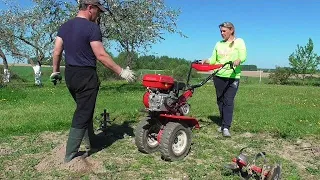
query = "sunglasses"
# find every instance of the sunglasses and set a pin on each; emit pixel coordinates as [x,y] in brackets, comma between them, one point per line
[226,24]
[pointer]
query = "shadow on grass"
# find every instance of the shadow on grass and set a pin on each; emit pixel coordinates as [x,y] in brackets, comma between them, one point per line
[215,119]
[113,133]
[212,120]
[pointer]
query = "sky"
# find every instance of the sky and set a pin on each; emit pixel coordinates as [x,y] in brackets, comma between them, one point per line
[271,29]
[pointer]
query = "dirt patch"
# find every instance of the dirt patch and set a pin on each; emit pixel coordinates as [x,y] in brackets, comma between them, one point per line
[303,153]
[5,149]
[79,164]
[12,168]
[47,156]
[247,135]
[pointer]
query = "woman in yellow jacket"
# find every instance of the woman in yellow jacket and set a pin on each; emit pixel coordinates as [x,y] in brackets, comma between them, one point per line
[227,80]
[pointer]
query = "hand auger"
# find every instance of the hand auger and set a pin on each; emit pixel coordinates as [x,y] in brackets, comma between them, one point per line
[104,120]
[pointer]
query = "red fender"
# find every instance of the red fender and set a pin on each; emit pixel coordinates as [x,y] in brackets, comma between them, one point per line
[190,120]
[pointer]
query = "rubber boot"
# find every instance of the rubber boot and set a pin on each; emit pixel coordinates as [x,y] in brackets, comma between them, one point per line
[73,143]
[89,139]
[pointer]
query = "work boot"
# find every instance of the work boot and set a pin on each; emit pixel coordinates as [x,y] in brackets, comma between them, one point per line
[226,133]
[86,140]
[89,140]
[73,143]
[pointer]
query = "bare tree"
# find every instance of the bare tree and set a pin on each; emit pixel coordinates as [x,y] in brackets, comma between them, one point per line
[28,34]
[137,24]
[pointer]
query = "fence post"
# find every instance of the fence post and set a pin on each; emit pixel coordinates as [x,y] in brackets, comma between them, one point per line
[260,76]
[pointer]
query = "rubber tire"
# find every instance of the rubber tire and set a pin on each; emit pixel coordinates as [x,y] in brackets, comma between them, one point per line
[141,136]
[167,140]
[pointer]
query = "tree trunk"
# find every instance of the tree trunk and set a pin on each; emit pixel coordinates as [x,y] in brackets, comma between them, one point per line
[130,55]
[129,59]
[37,73]
[6,72]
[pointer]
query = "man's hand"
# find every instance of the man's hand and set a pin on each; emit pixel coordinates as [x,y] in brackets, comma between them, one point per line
[128,74]
[54,77]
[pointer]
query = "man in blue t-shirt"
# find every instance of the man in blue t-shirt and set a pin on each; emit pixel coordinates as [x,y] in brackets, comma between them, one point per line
[81,40]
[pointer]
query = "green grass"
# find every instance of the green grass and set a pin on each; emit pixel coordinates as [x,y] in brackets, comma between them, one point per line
[31,109]
[287,111]
[276,116]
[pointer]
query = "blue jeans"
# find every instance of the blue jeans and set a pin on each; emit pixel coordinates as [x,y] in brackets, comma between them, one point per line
[226,90]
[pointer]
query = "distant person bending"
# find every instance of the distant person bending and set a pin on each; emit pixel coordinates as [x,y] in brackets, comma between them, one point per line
[227,80]
[81,40]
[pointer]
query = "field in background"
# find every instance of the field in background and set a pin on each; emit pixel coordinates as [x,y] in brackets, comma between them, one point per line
[25,72]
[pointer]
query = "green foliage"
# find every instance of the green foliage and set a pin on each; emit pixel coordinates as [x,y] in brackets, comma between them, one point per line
[304,60]
[122,58]
[249,67]
[308,81]
[160,63]
[180,73]
[176,67]
[105,73]
[280,75]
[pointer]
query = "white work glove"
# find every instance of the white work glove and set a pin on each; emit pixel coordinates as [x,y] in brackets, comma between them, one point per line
[127,74]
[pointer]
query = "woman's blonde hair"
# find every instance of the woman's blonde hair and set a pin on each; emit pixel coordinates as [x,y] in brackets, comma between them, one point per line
[230,26]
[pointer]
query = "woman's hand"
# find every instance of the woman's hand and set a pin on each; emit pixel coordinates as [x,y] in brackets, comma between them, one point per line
[205,61]
[236,62]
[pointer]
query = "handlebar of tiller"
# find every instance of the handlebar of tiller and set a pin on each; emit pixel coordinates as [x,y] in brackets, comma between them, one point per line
[207,67]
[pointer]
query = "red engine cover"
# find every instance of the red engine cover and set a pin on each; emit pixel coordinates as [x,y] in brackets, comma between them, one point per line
[158,81]
[145,99]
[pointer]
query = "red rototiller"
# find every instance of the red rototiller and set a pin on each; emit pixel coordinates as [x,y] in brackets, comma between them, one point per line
[167,127]
[254,170]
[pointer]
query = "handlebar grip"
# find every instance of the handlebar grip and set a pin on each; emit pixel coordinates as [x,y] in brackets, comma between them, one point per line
[197,61]
[230,63]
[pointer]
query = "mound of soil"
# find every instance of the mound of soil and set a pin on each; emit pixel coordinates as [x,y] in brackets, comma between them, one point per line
[55,160]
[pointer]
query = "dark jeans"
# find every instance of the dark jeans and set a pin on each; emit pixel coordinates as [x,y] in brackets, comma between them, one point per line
[226,90]
[83,85]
